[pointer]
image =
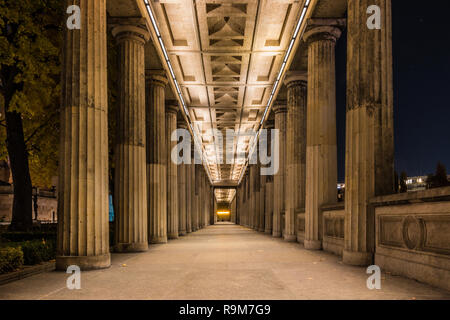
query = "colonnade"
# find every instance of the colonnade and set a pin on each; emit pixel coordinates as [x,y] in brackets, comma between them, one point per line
[307,177]
[154,199]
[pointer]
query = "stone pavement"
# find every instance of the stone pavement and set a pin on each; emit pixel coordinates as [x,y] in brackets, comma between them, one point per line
[223,261]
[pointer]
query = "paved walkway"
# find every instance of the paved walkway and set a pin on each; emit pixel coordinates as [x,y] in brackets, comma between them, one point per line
[222,262]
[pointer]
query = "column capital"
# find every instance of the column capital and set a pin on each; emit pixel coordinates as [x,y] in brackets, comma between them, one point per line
[280,107]
[324,29]
[296,78]
[172,107]
[156,77]
[270,124]
[123,32]
[181,123]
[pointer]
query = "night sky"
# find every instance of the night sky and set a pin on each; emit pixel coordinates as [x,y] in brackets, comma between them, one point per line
[421,45]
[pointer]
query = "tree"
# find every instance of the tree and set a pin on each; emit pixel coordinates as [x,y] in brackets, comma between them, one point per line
[440,176]
[430,181]
[396,182]
[30,45]
[403,185]
[439,179]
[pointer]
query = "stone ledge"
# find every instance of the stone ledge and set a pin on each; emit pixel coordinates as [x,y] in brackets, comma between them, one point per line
[333,206]
[415,266]
[27,271]
[430,195]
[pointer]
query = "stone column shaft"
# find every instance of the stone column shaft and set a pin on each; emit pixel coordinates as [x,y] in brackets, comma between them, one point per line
[369,168]
[321,149]
[188,196]
[172,190]
[83,204]
[295,151]
[156,158]
[262,201]
[195,187]
[269,197]
[182,191]
[254,172]
[130,195]
[279,178]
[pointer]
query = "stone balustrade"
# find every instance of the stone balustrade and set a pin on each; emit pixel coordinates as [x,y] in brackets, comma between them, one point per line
[412,232]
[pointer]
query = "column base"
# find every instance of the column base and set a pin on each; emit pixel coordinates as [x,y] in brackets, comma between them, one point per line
[276,234]
[131,247]
[157,240]
[172,236]
[260,229]
[290,237]
[182,233]
[312,244]
[356,258]
[84,262]
[268,231]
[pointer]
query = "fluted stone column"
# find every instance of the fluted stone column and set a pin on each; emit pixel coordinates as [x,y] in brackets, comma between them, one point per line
[130,195]
[204,201]
[172,191]
[182,187]
[211,205]
[256,194]
[83,230]
[262,201]
[207,201]
[279,178]
[321,149]
[295,151]
[201,195]
[369,169]
[246,198]
[269,197]
[188,196]
[156,157]
[196,180]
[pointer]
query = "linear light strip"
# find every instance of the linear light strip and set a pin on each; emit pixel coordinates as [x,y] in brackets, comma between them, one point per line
[178,89]
[277,82]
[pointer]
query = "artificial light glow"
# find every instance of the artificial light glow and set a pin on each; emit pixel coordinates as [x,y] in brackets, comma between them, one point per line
[288,51]
[223,212]
[152,18]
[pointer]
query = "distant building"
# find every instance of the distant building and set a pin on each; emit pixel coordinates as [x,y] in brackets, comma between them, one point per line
[341,192]
[416,183]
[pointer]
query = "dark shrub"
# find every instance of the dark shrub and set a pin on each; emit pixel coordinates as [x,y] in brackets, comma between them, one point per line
[10,259]
[35,252]
[27,236]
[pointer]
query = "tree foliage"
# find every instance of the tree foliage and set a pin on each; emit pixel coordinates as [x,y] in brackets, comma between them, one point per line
[439,179]
[403,185]
[30,46]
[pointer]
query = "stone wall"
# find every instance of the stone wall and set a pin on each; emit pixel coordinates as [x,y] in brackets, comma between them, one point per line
[333,218]
[47,205]
[413,235]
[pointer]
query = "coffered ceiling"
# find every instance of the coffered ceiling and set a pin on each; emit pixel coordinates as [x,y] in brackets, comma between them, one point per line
[226,56]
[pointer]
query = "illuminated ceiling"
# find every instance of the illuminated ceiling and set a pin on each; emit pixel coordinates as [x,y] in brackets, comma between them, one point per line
[226,61]
[227,58]
[224,195]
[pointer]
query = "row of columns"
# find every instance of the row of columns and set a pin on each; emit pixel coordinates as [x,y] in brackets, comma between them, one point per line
[154,199]
[307,175]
